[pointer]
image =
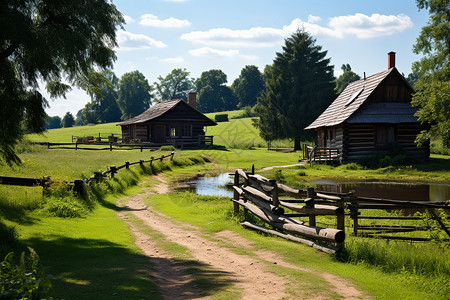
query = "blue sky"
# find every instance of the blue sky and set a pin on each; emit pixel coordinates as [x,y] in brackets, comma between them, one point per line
[200,35]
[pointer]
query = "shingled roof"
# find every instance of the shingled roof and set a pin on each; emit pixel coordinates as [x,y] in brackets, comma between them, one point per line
[351,100]
[160,109]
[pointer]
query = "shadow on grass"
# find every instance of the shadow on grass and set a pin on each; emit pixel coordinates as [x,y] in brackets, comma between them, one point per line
[17,215]
[99,269]
[434,164]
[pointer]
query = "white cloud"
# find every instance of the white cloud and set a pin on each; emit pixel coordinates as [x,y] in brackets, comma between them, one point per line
[128,19]
[314,19]
[210,52]
[365,27]
[152,20]
[130,41]
[173,60]
[360,25]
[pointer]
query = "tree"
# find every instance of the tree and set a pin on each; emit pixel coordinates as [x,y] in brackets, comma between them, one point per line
[50,41]
[175,85]
[103,107]
[134,94]
[347,77]
[299,86]
[213,94]
[68,120]
[53,122]
[80,119]
[248,86]
[432,88]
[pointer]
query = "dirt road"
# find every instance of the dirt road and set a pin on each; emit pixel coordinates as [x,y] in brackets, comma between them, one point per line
[247,274]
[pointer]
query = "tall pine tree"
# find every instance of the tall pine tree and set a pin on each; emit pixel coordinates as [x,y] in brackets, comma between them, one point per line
[299,87]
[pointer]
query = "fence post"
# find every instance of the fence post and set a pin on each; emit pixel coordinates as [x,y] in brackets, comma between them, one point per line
[151,160]
[127,165]
[78,186]
[110,146]
[275,200]
[354,213]
[113,170]
[310,193]
[141,147]
[172,154]
[236,194]
[161,158]
[340,221]
[141,163]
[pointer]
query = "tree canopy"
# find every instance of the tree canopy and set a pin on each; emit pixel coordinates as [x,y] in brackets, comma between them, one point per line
[58,42]
[299,86]
[68,120]
[134,94]
[175,85]
[347,77]
[248,86]
[433,86]
[213,94]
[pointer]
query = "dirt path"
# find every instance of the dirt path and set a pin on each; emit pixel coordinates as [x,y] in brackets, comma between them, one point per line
[247,274]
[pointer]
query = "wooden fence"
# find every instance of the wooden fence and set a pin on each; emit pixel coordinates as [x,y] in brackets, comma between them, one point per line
[269,201]
[78,185]
[321,154]
[264,198]
[101,138]
[106,146]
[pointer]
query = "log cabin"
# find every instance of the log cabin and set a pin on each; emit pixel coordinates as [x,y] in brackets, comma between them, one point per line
[172,122]
[370,116]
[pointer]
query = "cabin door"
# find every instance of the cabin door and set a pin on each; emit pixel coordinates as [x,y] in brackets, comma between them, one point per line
[160,134]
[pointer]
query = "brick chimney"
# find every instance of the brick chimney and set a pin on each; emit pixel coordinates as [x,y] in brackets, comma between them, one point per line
[192,99]
[391,59]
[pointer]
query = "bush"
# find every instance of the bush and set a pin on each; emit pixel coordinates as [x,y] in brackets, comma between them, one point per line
[167,148]
[27,280]
[221,118]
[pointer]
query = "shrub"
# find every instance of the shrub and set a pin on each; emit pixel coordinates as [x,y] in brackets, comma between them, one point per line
[221,118]
[167,148]
[28,280]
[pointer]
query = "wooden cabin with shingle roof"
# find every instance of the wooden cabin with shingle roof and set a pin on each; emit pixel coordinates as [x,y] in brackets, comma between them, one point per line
[372,115]
[172,122]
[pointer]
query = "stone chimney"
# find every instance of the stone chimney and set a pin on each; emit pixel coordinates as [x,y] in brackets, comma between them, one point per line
[192,99]
[391,59]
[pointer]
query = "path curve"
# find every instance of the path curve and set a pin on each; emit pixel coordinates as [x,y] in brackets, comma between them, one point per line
[247,273]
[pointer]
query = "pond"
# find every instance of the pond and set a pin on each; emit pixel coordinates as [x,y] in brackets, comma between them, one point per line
[210,186]
[411,191]
[436,192]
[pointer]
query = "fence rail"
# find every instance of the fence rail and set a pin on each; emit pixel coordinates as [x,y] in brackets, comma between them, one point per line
[78,185]
[268,200]
[321,154]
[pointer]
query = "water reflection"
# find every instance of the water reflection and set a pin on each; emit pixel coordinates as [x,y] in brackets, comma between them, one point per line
[211,186]
[389,190]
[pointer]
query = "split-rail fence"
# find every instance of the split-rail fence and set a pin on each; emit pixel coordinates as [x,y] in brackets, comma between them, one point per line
[78,185]
[269,201]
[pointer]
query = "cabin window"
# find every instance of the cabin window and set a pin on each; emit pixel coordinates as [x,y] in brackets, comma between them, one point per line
[186,130]
[173,131]
[385,135]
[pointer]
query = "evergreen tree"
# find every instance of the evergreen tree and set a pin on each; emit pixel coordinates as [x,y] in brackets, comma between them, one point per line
[299,87]
[68,120]
[53,122]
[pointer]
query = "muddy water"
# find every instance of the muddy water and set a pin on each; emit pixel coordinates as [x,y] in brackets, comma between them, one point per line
[434,192]
[210,186]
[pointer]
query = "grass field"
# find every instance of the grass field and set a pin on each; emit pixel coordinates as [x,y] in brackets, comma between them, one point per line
[95,255]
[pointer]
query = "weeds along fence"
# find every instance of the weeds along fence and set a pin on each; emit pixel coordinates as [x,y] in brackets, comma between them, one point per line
[78,185]
[277,204]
